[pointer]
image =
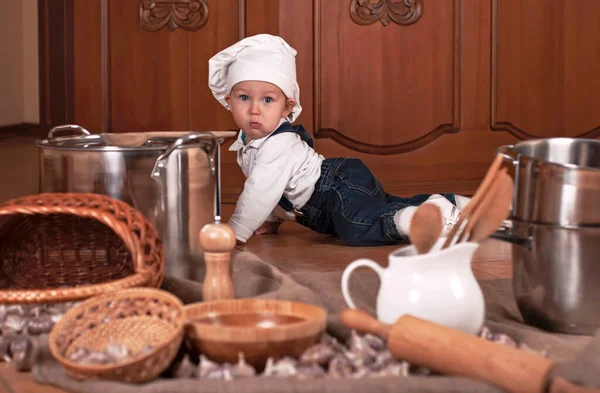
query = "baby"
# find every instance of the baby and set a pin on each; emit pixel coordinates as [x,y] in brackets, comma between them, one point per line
[286,179]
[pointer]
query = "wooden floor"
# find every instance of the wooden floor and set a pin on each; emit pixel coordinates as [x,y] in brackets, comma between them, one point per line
[294,249]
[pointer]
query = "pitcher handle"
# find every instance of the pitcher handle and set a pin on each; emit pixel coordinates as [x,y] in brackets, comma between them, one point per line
[348,271]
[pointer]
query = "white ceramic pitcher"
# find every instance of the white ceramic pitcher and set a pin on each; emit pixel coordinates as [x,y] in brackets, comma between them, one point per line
[438,286]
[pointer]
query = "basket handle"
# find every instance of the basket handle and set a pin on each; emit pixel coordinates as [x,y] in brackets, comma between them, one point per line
[75,293]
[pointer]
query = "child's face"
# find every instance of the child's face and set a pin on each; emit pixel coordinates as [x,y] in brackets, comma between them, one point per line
[258,106]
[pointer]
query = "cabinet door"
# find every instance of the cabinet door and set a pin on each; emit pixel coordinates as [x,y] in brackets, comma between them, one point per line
[545,67]
[392,83]
[425,91]
[142,65]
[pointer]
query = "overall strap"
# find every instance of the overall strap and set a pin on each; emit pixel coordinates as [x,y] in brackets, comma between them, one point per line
[284,203]
[287,127]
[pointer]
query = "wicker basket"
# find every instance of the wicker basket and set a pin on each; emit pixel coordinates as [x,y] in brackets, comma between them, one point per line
[134,318]
[59,247]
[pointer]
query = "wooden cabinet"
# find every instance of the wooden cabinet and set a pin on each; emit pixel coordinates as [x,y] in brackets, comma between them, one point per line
[423,91]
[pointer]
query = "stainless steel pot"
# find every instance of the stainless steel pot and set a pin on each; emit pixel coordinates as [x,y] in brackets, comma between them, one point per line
[557,180]
[556,232]
[172,178]
[556,276]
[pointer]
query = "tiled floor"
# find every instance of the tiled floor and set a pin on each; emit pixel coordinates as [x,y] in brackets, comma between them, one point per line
[294,249]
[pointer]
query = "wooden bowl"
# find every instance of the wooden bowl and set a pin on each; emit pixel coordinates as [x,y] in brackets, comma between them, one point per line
[259,328]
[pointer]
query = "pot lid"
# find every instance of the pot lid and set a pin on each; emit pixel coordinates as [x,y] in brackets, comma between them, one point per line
[138,141]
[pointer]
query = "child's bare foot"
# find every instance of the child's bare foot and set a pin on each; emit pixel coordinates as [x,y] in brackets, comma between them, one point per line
[268,227]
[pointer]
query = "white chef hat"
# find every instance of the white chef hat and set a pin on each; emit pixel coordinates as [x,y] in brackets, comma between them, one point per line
[262,57]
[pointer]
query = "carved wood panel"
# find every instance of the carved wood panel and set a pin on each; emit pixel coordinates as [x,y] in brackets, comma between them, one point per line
[386,90]
[187,14]
[402,12]
[544,68]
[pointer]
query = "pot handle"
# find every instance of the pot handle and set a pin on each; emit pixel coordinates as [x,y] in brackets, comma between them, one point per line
[510,161]
[70,127]
[505,234]
[193,137]
[509,154]
[213,154]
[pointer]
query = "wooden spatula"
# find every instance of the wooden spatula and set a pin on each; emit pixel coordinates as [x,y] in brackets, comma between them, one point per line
[453,352]
[477,198]
[426,227]
[496,212]
[482,211]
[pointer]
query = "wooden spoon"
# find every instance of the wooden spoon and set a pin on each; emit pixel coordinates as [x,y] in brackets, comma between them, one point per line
[486,204]
[426,227]
[477,198]
[453,352]
[496,212]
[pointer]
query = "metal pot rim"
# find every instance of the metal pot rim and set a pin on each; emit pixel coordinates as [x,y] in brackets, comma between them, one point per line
[128,142]
[542,161]
[45,144]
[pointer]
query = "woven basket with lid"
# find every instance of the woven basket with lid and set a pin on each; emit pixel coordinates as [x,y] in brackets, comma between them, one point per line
[58,247]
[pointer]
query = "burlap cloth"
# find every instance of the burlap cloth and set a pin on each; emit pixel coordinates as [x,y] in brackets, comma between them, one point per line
[254,277]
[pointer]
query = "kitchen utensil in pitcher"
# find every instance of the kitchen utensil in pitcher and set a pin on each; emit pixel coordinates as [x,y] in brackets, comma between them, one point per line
[426,227]
[494,206]
[217,241]
[497,211]
[482,190]
[435,347]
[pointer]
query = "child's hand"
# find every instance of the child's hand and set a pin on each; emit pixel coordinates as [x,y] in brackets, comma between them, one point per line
[268,227]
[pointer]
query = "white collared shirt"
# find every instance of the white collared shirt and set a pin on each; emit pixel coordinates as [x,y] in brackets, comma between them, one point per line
[281,165]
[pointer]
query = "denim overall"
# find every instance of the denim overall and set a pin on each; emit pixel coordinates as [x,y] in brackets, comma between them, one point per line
[349,202]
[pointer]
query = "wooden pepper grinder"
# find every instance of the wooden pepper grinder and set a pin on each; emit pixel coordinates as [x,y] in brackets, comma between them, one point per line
[217,240]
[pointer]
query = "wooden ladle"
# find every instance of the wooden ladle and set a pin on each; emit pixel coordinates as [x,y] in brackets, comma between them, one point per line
[453,352]
[426,227]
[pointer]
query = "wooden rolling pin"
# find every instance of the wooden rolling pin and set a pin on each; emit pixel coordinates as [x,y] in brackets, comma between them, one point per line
[453,352]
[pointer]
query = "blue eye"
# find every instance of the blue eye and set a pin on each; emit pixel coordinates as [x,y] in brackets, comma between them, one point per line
[244,97]
[267,100]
